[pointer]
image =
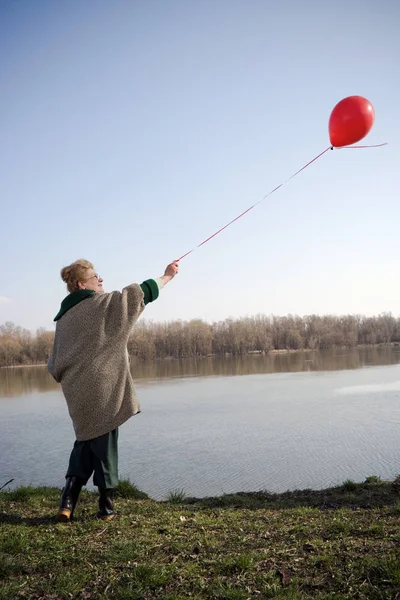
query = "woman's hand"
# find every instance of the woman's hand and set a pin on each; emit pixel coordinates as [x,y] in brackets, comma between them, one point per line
[171,270]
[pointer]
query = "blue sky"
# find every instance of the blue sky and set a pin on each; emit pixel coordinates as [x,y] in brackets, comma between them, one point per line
[132,130]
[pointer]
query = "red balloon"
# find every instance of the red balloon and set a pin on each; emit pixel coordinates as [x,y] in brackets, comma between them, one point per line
[350,121]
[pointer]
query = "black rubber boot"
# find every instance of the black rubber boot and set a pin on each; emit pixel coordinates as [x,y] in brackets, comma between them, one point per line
[69,498]
[106,505]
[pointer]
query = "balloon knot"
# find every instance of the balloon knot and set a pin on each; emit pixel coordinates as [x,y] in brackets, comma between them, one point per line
[331,147]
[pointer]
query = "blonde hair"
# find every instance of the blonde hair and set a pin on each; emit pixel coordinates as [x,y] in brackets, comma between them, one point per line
[75,272]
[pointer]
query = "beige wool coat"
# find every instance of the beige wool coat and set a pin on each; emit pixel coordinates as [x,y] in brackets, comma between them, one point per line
[90,360]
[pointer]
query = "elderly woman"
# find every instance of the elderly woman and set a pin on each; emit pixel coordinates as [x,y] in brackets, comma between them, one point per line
[90,360]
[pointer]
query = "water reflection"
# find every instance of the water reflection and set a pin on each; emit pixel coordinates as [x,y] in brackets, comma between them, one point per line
[16,381]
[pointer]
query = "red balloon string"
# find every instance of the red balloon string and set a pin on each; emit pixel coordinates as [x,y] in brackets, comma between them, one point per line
[374,146]
[309,163]
[269,194]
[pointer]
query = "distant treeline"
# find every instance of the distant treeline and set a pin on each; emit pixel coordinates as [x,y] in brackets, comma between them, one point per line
[20,346]
[197,338]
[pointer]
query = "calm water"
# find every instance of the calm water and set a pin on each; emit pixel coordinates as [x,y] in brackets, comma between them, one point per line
[212,426]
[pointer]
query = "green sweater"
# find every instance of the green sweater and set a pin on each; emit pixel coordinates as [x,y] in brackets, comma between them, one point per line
[149,288]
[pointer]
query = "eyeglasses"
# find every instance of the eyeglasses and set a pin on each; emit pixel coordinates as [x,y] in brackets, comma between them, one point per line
[91,277]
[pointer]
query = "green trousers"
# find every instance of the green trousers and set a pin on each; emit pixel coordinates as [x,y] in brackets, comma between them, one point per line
[99,455]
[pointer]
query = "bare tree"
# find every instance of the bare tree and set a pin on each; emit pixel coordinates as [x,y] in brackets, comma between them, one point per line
[197,338]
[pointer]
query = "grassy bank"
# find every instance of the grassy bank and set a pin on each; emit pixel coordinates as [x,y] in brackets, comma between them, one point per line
[338,543]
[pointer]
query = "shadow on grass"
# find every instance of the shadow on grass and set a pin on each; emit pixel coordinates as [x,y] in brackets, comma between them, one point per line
[16,506]
[349,495]
[17,519]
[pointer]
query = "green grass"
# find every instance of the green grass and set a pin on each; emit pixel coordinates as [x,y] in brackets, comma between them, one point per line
[176,497]
[349,485]
[126,489]
[336,544]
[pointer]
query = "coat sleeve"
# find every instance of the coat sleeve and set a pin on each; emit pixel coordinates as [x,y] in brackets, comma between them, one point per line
[150,289]
[122,309]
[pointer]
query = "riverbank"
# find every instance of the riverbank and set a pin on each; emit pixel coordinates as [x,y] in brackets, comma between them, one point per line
[341,542]
[228,355]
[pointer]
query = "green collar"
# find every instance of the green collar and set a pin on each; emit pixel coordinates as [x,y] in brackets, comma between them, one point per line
[72,299]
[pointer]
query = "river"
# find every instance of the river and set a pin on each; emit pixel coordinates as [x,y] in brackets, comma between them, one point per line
[278,422]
